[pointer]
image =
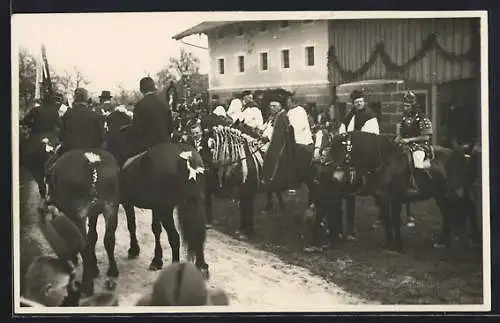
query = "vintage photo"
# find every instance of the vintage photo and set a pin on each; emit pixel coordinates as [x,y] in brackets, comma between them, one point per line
[250,162]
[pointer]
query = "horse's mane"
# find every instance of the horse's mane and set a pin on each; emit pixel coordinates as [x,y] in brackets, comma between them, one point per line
[234,149]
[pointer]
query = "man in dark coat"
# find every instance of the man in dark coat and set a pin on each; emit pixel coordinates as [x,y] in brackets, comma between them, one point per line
[152,123]
[82,128]
[43,118]
[360,117]
[105,105]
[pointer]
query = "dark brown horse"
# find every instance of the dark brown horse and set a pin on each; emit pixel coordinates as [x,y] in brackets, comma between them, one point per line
[161,180]
[85,184]
[363,164]
[35,151]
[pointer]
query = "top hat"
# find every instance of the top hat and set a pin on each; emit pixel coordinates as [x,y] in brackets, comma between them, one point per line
[105,95]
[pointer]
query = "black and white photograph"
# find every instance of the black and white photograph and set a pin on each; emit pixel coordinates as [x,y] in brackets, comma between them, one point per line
[232,161]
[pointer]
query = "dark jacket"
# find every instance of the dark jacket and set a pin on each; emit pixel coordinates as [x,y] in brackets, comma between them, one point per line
[42,119]
[152,123]
[81,128]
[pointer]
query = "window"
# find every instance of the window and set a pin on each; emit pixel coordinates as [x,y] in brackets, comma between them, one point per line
[263,62]
[285,58]
[241,63]
[239,31]
[284,24]
[221,65]
[310,56]
[263,26]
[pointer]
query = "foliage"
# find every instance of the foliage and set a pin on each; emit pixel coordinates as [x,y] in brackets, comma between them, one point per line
[64,83]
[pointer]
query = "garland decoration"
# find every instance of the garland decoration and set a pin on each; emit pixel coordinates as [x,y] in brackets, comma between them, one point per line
[429,44]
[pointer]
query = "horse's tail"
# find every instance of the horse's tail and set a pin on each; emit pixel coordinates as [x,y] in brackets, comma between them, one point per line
[92,160]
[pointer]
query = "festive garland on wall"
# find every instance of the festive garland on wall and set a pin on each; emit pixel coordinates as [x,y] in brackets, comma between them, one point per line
[428,45]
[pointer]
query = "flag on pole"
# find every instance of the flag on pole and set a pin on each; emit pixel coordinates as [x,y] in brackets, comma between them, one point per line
[43,84]
[46,81]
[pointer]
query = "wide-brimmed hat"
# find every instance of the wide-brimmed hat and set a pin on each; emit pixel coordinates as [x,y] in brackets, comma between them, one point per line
[147,85]
[182,284]
[246,92]
[62,234]
[105,95]
[356,94]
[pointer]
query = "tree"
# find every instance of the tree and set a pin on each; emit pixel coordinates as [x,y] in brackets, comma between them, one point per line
[126,97]
[27,79]
[186,63]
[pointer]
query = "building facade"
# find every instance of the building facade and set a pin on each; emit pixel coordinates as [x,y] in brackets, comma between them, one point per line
[438,57]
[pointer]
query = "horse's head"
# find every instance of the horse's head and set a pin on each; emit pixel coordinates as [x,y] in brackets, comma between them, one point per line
[118,119]
[353,154]
[463,169]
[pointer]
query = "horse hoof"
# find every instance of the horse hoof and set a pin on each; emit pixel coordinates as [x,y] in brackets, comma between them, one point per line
[313,249]
[111,283]
[133,254]
[95,273]
[154,266]
[205,273]
[390,251]
[439,245]
[351,238]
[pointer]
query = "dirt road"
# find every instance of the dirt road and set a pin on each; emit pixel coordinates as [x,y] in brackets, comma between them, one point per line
[251,277]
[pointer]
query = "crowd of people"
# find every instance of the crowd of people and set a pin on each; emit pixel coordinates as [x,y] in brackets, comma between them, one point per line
[84,126]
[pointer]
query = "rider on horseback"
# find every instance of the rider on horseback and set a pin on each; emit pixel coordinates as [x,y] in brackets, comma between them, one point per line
[152,123]
[43,118]
[415,131]
[360,117]
[81,128]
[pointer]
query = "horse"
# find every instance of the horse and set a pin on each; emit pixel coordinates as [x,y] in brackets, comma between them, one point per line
[364,164]
[35,152]
[161,179]
[238,159]
[85,184]
[464,185]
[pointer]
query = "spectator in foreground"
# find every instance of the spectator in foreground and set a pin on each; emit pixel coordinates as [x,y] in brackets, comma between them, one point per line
[46,281]
[181,284]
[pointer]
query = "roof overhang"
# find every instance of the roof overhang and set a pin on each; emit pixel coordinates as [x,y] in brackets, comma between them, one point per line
[202,28]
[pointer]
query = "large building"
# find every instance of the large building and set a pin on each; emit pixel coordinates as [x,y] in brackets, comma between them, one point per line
[316,58]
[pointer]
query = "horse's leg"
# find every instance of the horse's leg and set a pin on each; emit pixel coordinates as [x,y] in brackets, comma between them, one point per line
[208,204]
[445,206]
[167,220]
[470,210]
[351,211]
[396,225]
[386,218]
[92,237]
[409,216]
[247,197]
[269,201]
[89,263]
[281,203]
[134,249]
[157,262]
[110,213]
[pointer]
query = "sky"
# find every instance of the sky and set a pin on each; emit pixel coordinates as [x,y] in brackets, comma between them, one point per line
[109,49]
